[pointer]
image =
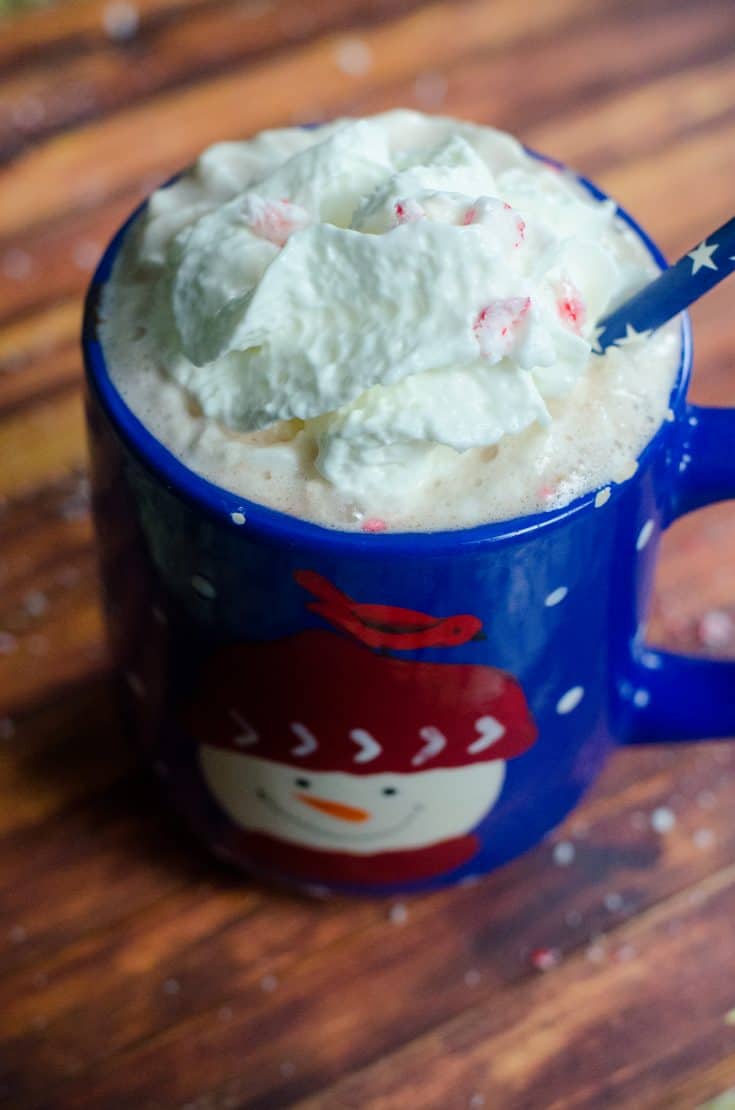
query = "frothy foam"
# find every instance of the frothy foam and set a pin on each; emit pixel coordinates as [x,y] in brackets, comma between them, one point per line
[547,435]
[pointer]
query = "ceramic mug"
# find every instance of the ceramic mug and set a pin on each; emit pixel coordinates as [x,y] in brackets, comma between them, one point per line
[391,712]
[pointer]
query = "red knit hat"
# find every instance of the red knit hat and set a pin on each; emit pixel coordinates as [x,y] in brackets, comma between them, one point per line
[326,703]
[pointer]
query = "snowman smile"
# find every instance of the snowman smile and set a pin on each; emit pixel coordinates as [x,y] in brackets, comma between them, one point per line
[338,834]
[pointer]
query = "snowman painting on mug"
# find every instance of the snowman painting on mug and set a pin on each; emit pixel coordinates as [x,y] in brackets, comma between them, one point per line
[386,779]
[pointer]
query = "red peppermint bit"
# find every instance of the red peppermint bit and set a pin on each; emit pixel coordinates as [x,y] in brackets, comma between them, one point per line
[521,230]
[571,307]
[506,206]
[277,220]
[469,217]
[496,322]
[546,492]
[543,959]
[407,211]
[374,524]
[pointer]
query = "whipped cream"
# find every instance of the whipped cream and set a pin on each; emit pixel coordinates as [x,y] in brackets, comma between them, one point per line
[371,299]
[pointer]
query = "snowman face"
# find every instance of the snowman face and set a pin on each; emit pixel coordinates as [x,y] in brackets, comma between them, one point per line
[361,814]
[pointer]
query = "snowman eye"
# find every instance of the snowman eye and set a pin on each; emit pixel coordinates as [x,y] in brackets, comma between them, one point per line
[303,783]
[389,790]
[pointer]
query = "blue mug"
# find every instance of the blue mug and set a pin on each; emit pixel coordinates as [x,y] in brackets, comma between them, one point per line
[391,712]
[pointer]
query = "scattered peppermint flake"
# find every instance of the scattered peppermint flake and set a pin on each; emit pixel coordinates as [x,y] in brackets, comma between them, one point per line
[7,728]
[86,255]
[35,603]
[730,1017]
[354,57]
[203,587]
[16,264]
[625,952]
[28,113]
[543,959]
[398,914]
[641,698]
[120,20]
[563,853]
[663,819]
[602,497]
[556,596]
[716,629]
[703,838]
[613,901]
[430,89]
[237,518]
[472,977]
[269,983]
[171,986]
[596,952]
[477,1100]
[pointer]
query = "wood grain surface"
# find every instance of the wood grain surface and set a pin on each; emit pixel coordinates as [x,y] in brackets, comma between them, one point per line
[134,971]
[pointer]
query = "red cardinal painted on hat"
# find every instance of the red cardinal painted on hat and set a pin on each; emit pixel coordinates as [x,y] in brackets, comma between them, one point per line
[386,626]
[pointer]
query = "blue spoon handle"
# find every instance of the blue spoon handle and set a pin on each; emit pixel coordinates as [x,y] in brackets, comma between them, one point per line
[674,290]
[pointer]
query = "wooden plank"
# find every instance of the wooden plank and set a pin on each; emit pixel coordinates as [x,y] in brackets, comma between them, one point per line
[41,99]
[42,445]
[110,156]
[541,1046]
[25,35]
[459,949]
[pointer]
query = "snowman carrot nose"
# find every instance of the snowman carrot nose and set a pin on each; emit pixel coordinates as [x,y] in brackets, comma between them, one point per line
[334,809]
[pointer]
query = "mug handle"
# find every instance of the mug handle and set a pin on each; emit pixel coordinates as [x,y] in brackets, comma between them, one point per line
[690,698]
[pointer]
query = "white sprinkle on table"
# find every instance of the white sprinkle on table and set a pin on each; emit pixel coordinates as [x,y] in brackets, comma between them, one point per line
[703,838]
[120,20]
[430,89]
[563,853]
[16,264]
[663,819]
[398,914]
[354,57]
[203,586]
[556,596]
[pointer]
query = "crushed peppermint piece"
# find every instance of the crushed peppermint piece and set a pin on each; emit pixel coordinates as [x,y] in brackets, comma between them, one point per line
[398,914]
[408,211]
[35,603]
[596,952]
[477,1100]
[374,524]
[171,986]
[663,819]
[497,324]
[571,307]
[613,901]
[703,838]
[472,977]
[354,57]
[274,220]
[237,517]
[543,959]
[716,629]
[430,89]
[269,983]
[602,497]
[625,952]
[120,20]
[564,853]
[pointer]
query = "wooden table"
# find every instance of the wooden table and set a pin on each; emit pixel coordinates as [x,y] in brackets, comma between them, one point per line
[137,973]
